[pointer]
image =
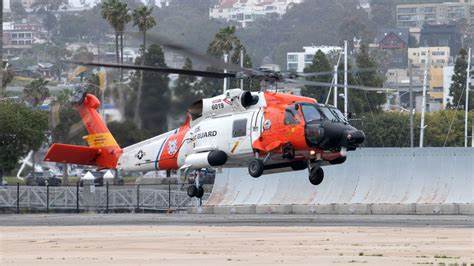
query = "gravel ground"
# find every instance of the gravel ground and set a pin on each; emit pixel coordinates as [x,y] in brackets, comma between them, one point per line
[151,239]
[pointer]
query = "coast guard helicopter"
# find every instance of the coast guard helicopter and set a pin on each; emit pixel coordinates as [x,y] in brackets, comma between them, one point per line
[265,131]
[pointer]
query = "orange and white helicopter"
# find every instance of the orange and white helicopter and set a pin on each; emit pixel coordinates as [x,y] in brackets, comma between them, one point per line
[266,131]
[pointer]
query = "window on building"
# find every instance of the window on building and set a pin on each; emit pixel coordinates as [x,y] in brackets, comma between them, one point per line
[293,66]
[406,10]
[308,58]
[292,58]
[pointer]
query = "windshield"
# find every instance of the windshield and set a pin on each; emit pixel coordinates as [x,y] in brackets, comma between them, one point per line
[310,113]
[327,113]
[339,114]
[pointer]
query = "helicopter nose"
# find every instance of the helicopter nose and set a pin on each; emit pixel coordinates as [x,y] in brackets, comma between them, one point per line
[355,137]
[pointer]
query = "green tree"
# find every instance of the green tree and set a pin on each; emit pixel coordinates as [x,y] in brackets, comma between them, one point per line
[156,96]
[364,101]
[144,20]
[36,92]
[126,133]
[117,15]
[22,130]
[185,92]
[225,42]
[458,85]
[320,64]
[7,77]
[387,129]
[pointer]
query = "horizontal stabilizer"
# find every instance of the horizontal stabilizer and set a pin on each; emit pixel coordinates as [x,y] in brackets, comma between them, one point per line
[64,153]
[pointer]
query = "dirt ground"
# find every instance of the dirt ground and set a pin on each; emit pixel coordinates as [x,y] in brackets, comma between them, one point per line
[234,245]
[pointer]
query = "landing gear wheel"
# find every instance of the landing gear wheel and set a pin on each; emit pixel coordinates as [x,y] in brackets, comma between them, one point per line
[299,165]
[200,192]
[256,168]
[339,160]
[316,176]
[192,191]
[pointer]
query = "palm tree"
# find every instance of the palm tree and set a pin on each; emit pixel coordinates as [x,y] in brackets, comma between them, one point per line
[144,20]
[224,42]
[36,92]
[117,14]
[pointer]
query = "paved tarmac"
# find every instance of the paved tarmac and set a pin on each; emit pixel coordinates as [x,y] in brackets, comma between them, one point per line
[237,220]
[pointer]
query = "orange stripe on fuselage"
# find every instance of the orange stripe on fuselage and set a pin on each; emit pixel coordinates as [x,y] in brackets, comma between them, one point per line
[169,156]
[279,132]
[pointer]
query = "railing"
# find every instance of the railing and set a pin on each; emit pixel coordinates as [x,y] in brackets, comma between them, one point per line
[90,198]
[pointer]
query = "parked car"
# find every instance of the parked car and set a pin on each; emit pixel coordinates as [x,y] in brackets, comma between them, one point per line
[42,179]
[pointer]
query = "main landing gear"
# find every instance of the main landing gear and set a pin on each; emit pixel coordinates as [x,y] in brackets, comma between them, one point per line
[196,190]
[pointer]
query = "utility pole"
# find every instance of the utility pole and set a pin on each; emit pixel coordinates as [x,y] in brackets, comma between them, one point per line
[335,84]
[225,71]
[242,66]
[412,132]
[423,102]
[1,52]
[468,81]
[346,114]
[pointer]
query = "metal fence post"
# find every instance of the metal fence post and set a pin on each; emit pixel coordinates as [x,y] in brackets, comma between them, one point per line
[169,194]
[107,197]
[17,198]
[138,198]
[77,197]
[47,198]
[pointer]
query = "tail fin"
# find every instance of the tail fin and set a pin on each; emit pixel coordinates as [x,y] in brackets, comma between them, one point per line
[103,150]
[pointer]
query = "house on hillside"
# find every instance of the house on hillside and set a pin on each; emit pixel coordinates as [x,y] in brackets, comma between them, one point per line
[394,44]
[246,11]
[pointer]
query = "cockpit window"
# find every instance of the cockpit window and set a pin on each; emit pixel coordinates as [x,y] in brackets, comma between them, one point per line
[327,113]
[310,113]
[291,115]
[339,114]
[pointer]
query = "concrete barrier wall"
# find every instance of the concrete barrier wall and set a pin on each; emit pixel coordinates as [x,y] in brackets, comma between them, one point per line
[370,177]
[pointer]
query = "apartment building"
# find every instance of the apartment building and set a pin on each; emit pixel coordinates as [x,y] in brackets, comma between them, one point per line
[246,11]
[298,61]
[418,14]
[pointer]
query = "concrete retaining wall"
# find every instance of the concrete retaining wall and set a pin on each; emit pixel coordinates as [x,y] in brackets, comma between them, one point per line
[372,181]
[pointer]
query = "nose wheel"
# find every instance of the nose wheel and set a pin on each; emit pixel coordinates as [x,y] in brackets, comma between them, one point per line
[316,175]
[256,168]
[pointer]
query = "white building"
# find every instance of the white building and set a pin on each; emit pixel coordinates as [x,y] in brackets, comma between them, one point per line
[448,72]
[298,61]
[246,11]
[6,6]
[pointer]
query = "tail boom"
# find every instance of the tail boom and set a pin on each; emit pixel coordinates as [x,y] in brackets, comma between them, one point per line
[102,151]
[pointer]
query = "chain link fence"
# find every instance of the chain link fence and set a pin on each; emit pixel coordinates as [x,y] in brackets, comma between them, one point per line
[107,198]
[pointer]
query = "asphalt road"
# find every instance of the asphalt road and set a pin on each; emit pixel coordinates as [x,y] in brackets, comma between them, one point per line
[129,219]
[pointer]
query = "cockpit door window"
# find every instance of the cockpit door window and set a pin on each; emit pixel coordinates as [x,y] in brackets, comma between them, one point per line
[291,116]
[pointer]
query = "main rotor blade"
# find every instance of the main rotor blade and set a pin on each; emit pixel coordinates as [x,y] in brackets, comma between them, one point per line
[325,84]
[190,52]
[327,73]
[199,73]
